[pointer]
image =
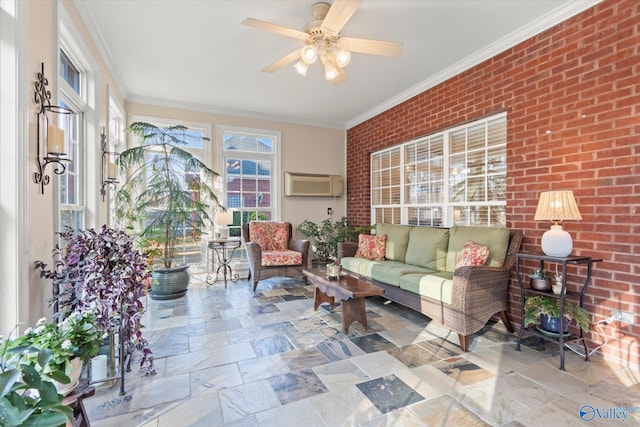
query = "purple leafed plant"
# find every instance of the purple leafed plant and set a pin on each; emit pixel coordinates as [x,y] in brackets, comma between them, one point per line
[101,273]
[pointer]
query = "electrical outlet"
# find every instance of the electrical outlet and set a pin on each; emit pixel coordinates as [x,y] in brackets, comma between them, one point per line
[622,316]
[329,211]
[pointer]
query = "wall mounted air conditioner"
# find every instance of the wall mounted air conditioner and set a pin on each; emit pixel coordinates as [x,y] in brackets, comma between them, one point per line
[304,184]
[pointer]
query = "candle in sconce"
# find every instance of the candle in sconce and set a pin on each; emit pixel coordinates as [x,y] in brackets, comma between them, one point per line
[55,140]
[112,171]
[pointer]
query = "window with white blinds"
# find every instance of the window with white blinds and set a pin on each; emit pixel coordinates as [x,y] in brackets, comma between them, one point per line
[454,177]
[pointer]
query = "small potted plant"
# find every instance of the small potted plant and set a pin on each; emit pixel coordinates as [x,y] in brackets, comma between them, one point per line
[547,310]
[540,279]
[326,236]
[71,344]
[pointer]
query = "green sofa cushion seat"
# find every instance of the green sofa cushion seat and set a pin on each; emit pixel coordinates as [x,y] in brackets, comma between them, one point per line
[390,272]
[496,238]
[428,248]
[360,266]
[437,286]
[397,240]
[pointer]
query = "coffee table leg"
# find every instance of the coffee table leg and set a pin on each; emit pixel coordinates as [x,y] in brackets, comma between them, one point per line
[321,297]
[353,309]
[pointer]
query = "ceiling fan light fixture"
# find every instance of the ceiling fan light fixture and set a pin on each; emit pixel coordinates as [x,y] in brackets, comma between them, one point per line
[342,57]
[301,67]
[330,71]
[308,54]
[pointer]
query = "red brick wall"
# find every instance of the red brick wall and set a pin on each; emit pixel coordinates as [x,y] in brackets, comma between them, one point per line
[572,96]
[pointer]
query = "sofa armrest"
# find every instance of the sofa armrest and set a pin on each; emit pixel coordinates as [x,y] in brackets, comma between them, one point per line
[346,249]
[475,286]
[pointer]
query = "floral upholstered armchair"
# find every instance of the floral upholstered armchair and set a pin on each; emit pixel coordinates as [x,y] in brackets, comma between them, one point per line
[271,251]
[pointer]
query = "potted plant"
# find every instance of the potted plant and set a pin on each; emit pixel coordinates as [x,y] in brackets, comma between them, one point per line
[71,344]
[326,236]
[547,310]
[102,274]
[27,397]
[167,195]
[540,279]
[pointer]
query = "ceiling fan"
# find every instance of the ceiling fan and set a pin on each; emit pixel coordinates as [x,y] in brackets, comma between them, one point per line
[322,40]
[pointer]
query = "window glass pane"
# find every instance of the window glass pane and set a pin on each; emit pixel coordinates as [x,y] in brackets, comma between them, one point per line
[476,137]
[69,72]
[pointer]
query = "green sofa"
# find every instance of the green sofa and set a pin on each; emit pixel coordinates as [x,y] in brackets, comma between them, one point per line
[419,272]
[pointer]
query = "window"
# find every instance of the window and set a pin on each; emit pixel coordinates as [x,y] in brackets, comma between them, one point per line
[70,183]
[249,158]
[453,177]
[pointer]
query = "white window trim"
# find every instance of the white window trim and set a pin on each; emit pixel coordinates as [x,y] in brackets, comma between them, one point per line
[70,39]
[275,158]
[16,86]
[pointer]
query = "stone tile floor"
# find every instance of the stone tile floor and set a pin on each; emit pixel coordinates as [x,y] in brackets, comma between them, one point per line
[228,357]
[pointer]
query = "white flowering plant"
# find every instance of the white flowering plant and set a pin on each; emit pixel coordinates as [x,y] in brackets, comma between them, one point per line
[75,336]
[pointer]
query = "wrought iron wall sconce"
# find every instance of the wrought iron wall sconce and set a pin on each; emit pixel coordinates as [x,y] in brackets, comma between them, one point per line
[109,169]
[53,131]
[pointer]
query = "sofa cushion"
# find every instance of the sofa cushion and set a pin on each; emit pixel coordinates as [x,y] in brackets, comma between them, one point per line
[496,238]
[397,240]
[371,247]
[390,272]
[472,254]
[359,266]
[270,258]
[428,247]
[437,286]
[270,236]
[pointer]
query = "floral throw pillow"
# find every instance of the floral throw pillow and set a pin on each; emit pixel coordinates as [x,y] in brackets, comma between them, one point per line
[371,247]
[472,254]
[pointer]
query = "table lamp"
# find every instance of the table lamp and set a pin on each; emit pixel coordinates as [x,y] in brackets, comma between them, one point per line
[222,220]
[557,206]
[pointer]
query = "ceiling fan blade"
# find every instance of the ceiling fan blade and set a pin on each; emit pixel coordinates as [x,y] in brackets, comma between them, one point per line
[338,15]
[341,78]
[372,47]
[275,28]
[282,62]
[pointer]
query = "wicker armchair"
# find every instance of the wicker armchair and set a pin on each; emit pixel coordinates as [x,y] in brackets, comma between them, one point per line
[271,251]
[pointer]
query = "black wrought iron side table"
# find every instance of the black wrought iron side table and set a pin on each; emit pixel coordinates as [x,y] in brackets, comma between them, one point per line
[223,249]
[561,261]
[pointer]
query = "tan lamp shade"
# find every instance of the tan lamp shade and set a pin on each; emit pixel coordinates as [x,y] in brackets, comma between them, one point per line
[223,218]
[557,206]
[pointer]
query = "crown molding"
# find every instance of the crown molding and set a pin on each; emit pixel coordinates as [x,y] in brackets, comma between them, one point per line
[226,111]
[560,14]
[96,35]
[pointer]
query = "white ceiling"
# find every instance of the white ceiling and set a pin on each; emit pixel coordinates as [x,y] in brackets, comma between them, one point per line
[196,53]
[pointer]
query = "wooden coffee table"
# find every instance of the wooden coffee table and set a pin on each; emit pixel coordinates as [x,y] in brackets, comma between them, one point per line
[348,289]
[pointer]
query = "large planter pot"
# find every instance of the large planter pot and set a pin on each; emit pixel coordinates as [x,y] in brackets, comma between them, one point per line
[74,376]
[170,283]
[552,324]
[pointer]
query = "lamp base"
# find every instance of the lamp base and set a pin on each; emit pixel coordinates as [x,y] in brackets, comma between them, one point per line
[556,242]
[224,232]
